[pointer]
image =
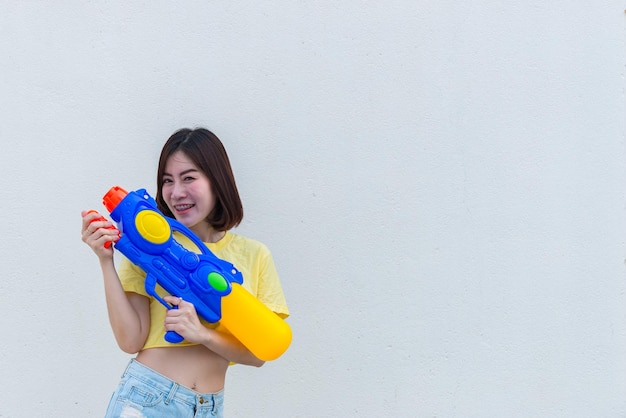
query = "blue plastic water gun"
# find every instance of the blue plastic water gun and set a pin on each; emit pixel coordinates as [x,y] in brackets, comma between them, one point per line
[213,285]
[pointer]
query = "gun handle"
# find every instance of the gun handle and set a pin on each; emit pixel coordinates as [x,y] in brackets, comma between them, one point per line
[173,337]
[102,218]
[150,285]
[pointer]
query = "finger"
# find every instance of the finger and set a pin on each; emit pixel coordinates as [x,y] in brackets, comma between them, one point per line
[89,217]
[89,227]
[99,238]
[106,238]
[86,234]
[95,219]
[92,231]
[173,300]
[172,316]
[170,326]
[98,229]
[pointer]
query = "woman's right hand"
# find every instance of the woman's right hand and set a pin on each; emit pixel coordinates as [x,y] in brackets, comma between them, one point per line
[96,232]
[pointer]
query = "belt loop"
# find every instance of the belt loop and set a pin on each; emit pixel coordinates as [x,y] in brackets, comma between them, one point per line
[128,367]
[171,394]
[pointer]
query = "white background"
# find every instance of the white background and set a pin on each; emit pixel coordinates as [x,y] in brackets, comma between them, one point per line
[442,185]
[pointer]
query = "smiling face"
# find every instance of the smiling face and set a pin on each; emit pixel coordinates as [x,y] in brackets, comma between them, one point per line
[195,174]
[188,194]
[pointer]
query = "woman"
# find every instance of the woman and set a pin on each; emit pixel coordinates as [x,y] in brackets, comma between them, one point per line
[195,185]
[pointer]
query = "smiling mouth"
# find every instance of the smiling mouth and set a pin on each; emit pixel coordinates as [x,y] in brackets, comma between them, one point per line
[183,208]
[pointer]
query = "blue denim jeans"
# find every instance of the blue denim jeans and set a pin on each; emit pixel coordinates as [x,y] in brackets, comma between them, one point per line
[144,393]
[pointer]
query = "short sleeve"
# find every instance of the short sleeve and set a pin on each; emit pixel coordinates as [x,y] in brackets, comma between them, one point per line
[132,277]
[269,290]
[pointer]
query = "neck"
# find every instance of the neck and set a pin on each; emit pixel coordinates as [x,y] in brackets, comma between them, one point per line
[210,235]
[215,236]
[207,233]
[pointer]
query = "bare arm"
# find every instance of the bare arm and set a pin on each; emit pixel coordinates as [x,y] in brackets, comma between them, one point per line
[185,321]
[129,313]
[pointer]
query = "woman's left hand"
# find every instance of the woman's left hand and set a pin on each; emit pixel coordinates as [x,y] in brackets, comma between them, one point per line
[184,320]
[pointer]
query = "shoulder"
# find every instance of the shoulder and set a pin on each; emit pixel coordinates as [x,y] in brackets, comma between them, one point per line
[248,245]
[128,268]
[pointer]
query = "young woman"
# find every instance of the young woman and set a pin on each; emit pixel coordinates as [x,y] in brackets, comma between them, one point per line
[195,185]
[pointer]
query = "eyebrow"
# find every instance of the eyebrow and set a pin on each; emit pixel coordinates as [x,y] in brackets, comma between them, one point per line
[191,170]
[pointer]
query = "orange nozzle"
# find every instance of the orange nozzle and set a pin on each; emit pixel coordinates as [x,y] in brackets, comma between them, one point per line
[113,197]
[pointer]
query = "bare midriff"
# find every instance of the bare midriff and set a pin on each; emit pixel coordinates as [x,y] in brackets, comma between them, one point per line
[193,366]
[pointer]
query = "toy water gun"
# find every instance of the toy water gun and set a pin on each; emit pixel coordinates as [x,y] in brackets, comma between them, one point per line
[213,285]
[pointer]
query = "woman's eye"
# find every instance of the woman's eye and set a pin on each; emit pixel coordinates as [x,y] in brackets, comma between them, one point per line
[167,181]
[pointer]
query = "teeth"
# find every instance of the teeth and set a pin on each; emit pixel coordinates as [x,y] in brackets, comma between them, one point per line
[182,207]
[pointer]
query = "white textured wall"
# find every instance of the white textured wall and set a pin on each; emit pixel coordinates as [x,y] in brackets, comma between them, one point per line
[442,185]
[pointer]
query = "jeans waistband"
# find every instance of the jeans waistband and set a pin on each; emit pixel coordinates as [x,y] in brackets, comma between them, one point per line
[173,389]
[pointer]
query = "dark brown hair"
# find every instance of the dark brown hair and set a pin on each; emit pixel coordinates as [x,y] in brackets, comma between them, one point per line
[207,152]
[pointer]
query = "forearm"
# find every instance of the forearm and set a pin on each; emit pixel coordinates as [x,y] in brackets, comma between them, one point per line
[128,325]
[129,314]
[229,347]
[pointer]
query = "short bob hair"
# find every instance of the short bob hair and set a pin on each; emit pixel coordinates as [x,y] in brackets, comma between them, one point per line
[207,152]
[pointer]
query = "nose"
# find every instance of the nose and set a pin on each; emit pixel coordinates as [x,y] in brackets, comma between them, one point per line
[178,190]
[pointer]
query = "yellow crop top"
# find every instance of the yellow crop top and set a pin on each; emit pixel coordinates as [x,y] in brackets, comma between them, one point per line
[251,257]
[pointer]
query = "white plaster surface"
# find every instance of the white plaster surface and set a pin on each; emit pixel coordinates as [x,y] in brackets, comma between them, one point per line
[442,185]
